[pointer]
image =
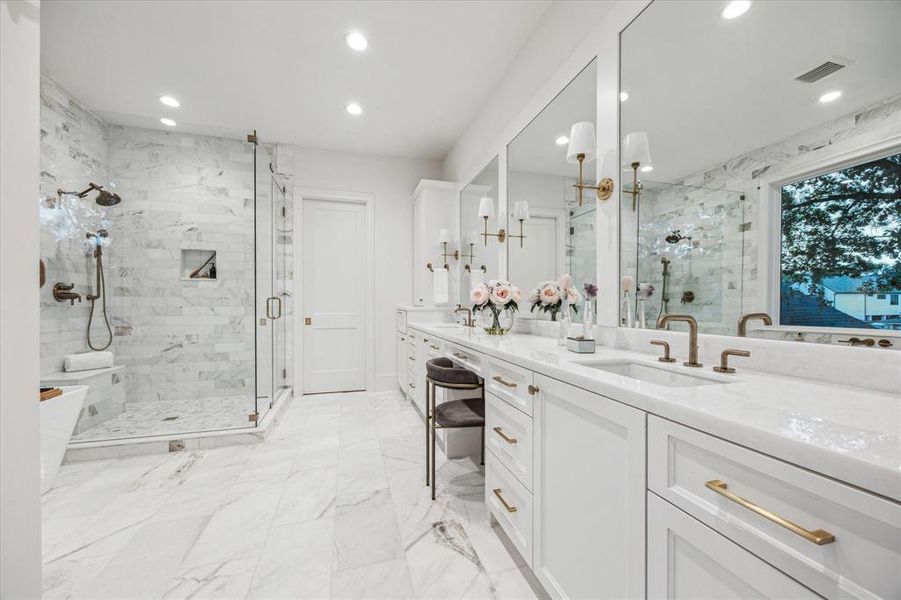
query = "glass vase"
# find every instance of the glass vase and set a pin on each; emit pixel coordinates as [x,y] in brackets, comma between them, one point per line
[496,320]
[588,320]
[563,323]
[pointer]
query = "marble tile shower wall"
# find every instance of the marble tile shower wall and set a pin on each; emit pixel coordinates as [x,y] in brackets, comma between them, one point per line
[182,338]
[74,153]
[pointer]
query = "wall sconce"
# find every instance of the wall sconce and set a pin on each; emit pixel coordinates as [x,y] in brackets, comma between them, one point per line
[472,239]
[486,211]
[520,213]
[582,147]
[444,238]
[636,152]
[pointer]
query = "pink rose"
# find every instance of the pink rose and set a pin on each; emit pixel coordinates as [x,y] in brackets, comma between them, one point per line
[501,295]
[515,294]
[550,293]
[479,294]
[572,295]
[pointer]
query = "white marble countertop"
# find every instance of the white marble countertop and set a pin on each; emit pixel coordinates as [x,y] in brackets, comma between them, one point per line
[846,433]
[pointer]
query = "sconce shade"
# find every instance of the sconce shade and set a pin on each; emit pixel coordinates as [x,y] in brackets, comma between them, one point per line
[473,237]
[521,210]
[486,207]
[582,140]
[636,149]
[443,236]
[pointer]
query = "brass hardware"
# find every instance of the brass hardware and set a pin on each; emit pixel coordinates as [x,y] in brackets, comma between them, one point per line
[483,269]
[743,322]
[856,341]
[604,188]
[636,186]
[412,386]
[269,304]
[252,138]
[411,358]
[885,343]
[429,266]
[533,389]
[460,355]
[692,335]
[468,322]
[309,321]
[688,297]
[497,492]
[817,536]
[434,347]
[63,292]
[469,256]
[521,235]
[724,360]
[42,273]
[500,432]
[455,254]
[252,417]
[501,234]
[666,357]
[501,381]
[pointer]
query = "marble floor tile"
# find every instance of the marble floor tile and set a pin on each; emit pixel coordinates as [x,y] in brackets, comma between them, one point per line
[332,505]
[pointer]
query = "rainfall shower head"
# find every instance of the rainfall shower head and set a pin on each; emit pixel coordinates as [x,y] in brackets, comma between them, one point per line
[104,198]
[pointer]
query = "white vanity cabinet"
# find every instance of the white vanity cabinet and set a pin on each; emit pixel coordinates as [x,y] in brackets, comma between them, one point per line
[401,358]
[687,559]
[589,493]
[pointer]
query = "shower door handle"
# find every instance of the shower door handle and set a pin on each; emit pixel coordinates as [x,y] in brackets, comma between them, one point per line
[269,312]
[279,302]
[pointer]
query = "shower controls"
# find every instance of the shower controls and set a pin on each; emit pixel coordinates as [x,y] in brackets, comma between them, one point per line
[63,292]
[688,297]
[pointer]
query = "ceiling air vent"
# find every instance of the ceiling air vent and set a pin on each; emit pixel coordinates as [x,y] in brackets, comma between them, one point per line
[817,73]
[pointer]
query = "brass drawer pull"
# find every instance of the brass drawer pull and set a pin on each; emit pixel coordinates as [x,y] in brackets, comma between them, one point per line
[533,389]
[411,358]
[497,492]
[460,355]
[818,536]
[500,432]
[412,386]
[434,347]
[501,381]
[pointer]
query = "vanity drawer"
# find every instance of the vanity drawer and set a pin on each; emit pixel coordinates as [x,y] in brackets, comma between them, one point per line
[508,436]
[715,481]
[466,358]
[509,382]
[511,504]
[435,349]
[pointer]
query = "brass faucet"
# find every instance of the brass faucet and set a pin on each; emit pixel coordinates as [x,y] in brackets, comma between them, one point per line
[666,357]
[743,322]
[724,360]
[468,322]
[692,335]
[63,292]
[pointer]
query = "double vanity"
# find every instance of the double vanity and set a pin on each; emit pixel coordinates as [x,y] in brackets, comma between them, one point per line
[618,475]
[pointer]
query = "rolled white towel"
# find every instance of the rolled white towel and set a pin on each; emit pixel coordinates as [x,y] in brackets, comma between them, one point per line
[87,361]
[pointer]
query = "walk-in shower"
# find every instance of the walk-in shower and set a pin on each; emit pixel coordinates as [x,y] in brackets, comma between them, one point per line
[183,246]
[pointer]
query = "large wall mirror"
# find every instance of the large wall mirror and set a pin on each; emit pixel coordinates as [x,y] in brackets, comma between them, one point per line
[761,166]
[550,232]
[479,212]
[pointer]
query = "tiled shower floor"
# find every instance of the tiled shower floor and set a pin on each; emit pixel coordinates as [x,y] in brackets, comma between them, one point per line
[164,417]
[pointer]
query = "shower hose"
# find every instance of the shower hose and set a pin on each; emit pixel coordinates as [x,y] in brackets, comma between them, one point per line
[101,291]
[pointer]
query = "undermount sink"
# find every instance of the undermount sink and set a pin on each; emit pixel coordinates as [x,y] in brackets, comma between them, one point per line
[651,374]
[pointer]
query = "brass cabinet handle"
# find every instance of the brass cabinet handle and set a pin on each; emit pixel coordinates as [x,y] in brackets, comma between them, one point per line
[411,385]
[533,389]
[500,432]
[434,347]
[818,536]
[497,492]
[501,381]
[460,355]
[411,358]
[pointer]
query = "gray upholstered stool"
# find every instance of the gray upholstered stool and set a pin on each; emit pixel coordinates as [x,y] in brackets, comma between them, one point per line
[467,412]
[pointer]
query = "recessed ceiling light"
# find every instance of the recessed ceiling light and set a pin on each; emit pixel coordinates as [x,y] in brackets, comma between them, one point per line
[167,122]
[356,40]
[736,8]
[354,109]
[170,101]
[623,96]
[561,140]
[647,168]
[830,96]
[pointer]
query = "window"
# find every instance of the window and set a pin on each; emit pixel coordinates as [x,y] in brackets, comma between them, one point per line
[840,245]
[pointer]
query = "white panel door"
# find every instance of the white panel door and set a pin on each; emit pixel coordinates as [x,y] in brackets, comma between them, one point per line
[334,277]
[589,494]
[539,257]
[687,559]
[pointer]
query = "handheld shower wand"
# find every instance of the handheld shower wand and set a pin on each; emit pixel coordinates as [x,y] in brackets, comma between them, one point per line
[99,288]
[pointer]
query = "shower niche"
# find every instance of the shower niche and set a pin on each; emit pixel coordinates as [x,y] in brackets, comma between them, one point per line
[198,265]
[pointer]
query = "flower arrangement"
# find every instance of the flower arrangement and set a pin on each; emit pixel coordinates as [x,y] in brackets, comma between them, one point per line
[591,291]
[549,295]
[495,302]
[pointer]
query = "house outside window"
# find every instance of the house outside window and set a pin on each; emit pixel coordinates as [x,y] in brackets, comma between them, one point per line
[840,253]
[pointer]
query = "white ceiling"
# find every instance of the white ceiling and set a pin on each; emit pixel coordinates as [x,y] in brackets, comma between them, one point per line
[710,89]
[283,68]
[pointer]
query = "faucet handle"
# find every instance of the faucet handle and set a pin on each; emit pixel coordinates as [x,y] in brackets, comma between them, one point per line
[666,357]
[724,360]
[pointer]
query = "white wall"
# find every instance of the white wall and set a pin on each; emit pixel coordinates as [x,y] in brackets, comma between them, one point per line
[20,505]
[391,181]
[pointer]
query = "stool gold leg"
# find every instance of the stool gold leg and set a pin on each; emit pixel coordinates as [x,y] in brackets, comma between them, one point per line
[428,420]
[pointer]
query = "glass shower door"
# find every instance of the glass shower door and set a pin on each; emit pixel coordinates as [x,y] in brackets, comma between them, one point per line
[282,265]
[263,280]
